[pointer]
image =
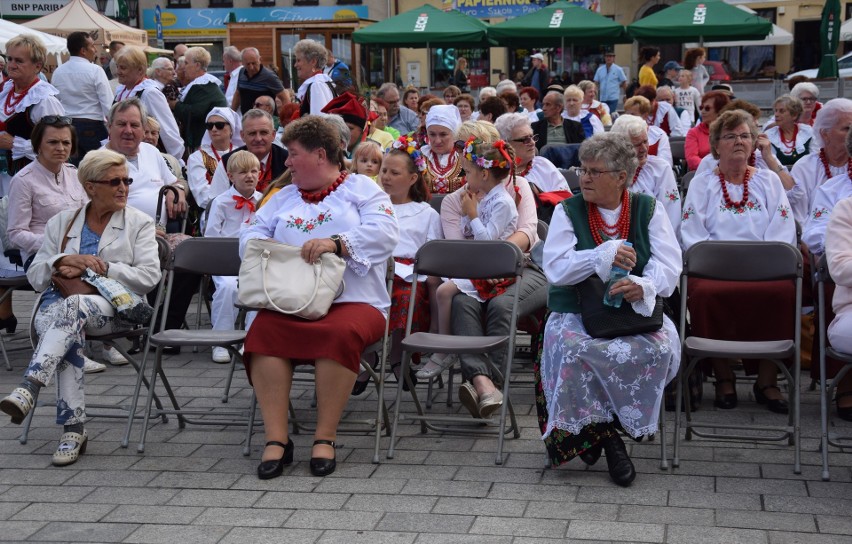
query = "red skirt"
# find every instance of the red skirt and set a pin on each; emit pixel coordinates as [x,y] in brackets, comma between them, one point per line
[401,297]
[742,311]
[341,336]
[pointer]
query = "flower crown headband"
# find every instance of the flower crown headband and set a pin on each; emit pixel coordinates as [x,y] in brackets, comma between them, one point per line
[505,159]
[409,145]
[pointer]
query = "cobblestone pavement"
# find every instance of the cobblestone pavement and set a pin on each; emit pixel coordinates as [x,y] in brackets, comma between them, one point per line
[194,485]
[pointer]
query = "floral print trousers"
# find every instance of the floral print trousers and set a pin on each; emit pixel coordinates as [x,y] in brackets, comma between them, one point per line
[61,327]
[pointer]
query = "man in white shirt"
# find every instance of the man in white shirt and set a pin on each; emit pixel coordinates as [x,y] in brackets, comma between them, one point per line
[232,60]
[84,92]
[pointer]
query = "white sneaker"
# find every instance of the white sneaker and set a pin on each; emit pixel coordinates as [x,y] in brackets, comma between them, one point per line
[221,355]
[92,367]
[113,357]
[435,366]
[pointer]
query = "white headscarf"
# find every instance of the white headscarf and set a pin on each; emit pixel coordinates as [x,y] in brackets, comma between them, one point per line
[233,119]
[445,116]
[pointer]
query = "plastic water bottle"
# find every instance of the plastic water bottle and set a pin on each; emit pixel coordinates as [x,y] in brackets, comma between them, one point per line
[615,275]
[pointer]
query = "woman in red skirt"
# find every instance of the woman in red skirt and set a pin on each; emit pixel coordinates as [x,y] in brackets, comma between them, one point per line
[325,210]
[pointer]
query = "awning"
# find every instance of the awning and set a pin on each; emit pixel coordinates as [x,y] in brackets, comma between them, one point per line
[702,20]
[778,36]
[425,26]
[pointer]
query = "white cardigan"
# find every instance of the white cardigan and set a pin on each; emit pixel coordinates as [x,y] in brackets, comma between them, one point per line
[128,244]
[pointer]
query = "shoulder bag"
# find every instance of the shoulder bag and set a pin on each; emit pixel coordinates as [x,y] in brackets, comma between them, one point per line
[71,286]
[602,321]
[273,276]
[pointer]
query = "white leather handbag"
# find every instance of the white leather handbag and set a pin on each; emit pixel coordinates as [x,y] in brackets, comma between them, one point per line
[274,276]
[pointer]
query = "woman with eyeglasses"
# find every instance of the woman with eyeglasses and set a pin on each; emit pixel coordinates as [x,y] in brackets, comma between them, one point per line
[222,136]
[790,139]
[108,238]
[544,177]
[738,202]
[588,388]
[25,99]
[808,93]
[697,144]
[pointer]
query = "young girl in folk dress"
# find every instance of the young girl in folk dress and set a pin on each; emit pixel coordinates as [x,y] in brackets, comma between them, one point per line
[367,160]
[401,177]
[443,165]
[495,217]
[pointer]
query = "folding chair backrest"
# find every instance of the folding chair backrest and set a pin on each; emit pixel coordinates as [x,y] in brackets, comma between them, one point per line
[213,256]
[472,259]
[541,230]
[686,180]
[678,146]
[743,261]
[822,273]
[571,178]
[435,202]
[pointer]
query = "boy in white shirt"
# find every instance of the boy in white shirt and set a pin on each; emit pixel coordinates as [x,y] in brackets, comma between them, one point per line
[228,213]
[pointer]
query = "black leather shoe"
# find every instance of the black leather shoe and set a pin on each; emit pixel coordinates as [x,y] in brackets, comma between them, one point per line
[726,401]
[411,374]
[843,412]
[267,470]
[591,455]
[620,466]
[320,466]
[361,383]
[779,406]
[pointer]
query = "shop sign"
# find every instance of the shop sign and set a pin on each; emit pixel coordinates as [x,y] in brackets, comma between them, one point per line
[212,21]
[11,9]
[486,9]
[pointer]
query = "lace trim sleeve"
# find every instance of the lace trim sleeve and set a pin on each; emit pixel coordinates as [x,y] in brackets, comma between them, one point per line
[644,306]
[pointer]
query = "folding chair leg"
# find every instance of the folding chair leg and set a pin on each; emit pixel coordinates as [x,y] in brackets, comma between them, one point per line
[233,366]
[157,370]
[823,403]
[664,460]
[25,432]
[406,361]
[250,429]
[134,403]
[5,355]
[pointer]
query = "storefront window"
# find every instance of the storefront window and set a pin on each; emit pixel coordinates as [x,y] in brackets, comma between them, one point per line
[341,45]
[372,66]
[749,62]
[444,64]
[585,63]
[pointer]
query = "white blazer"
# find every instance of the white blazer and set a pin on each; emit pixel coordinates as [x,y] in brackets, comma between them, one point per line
[128,244]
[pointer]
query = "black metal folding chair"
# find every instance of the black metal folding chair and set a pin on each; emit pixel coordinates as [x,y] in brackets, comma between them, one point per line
[755,262]
[472,260]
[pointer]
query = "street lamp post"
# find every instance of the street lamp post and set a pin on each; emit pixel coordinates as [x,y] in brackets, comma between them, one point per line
[101,5]
[132,11]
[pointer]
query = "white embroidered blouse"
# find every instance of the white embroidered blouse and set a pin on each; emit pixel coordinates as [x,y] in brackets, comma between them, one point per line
[827,196]
[418,223]
[544,175]
[657,179]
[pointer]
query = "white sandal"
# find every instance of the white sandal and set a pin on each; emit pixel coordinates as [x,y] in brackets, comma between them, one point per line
[18,404]
[71,447]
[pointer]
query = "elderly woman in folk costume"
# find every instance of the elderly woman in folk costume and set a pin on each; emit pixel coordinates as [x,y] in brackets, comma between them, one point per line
[443,162]
[222,136]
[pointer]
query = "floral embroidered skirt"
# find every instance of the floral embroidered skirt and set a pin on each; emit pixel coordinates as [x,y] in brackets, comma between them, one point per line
[401,297]
[587,387]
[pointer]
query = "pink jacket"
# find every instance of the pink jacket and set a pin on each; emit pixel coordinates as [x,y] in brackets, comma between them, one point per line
[838,250]
[697,145]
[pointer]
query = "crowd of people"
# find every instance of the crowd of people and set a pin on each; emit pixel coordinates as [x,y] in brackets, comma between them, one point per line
[330,171]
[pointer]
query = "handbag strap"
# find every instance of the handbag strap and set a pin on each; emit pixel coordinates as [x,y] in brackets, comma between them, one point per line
[264,264]
[68,229]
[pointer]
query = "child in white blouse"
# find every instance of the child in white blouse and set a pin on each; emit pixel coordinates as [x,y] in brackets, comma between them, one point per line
[367,159]
[494,217]
[229,212]
[402,179]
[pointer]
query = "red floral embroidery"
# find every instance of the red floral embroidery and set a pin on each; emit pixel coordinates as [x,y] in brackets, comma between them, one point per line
[820,212]
[307,225]
[687,213]
[784,211]
[673,196]
[387,211]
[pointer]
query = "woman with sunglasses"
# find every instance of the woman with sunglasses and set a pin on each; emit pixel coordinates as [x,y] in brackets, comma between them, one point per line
[697,144]
[25,99]
[222,136]
[516,129]
[108,238]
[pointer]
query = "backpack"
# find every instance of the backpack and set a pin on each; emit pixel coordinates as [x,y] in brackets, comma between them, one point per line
[342,79]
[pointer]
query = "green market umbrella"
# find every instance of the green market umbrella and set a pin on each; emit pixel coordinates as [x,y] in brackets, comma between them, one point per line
[700,20]
[556,24]
[424,27]
[829,37]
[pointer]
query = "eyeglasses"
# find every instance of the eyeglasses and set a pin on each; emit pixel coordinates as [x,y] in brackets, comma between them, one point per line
[220,125]
[114,182]
[56,120]
[261,105]
[706,108]
[592,173]
[528,139]
[746,137]
[808,98]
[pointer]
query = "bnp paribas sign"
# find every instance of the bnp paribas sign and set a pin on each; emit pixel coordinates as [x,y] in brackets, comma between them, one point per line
[11,9]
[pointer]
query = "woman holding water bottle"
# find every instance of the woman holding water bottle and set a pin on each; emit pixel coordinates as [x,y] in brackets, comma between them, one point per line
[590,388]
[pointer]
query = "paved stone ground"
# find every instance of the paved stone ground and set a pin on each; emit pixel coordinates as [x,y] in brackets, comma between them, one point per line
[194,485]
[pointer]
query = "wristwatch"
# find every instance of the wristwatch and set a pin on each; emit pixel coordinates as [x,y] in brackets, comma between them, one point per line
[338,246]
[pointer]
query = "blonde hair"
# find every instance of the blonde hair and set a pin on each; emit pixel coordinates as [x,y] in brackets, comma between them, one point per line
[133,57]
[574,91]
[242,161]
[481,130]
[199,55]
[152,123]
[367,149]
[640,102]
[33,45]
[96,163]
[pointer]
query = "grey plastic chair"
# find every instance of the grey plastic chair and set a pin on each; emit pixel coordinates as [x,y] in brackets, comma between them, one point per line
[11,281]
[826,390]
[472,260]
[685,181]
[570,175]
[755,262]
[216,257]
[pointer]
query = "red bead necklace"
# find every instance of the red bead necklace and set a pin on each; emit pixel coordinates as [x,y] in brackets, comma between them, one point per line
[13,98]
[752,159]
[526,169]
[636,175]
[435,164]
[823,158]
[619,230]
[728,202]
[789,144]
[312,197]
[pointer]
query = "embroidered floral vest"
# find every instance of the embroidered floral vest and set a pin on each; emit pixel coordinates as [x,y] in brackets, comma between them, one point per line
[563,298]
